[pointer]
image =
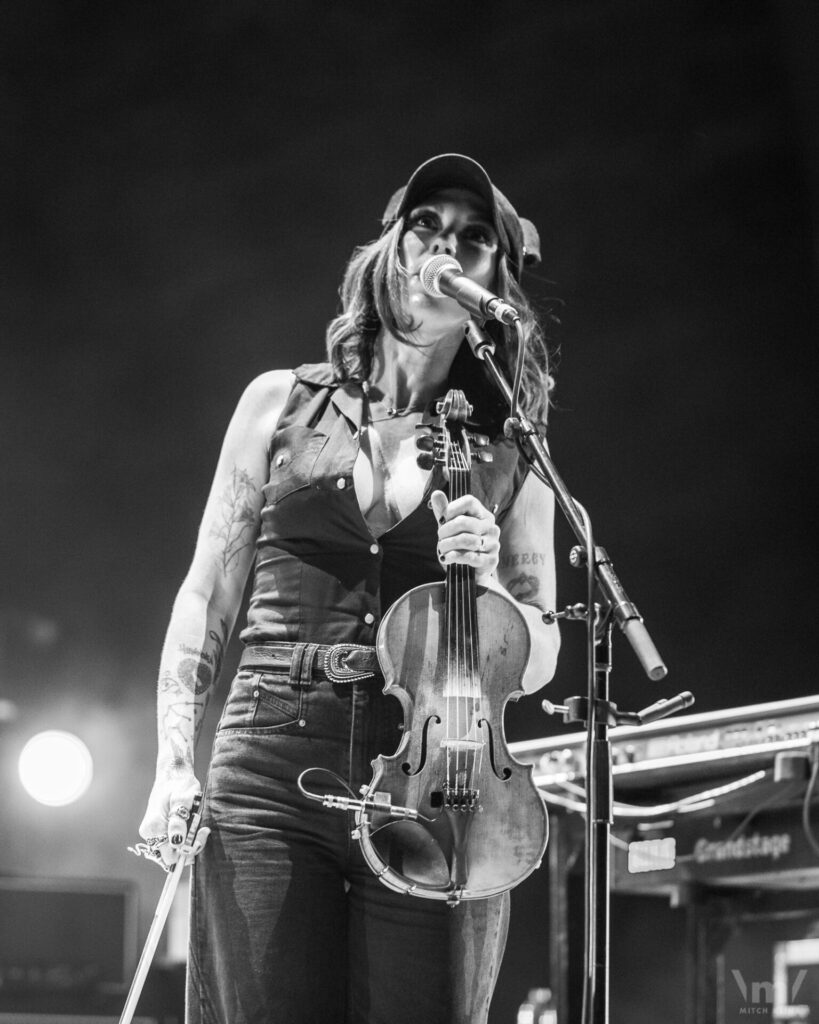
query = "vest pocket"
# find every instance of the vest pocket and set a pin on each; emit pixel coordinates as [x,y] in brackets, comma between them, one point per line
[293,455]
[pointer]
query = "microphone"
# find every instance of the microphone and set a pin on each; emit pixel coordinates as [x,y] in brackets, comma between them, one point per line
[443,275]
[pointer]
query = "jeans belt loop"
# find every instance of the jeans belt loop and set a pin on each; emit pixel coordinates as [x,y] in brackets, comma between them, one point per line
[335,663]
[301,664]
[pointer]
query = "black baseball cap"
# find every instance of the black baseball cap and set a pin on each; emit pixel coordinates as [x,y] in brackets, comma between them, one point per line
[518,237]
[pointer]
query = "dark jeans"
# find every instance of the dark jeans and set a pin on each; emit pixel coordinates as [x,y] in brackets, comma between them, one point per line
[288,923]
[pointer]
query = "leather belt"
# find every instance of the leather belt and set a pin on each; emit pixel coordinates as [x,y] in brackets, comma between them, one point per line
[340,663]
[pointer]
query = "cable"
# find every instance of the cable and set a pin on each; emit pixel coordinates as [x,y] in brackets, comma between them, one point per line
[774,797]
[595,956]
[780,795]
[685,805]
[518,378]
[325,771]
[703,801]
[814,774]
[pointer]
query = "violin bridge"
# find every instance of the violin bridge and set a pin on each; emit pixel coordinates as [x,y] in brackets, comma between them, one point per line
[458,746]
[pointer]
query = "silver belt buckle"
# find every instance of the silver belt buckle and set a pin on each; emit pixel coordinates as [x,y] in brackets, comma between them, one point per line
[336,668]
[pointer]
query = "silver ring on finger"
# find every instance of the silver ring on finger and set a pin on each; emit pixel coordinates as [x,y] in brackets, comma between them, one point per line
[181,812]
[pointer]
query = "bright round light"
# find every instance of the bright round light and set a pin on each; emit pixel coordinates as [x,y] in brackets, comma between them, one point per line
[55,767]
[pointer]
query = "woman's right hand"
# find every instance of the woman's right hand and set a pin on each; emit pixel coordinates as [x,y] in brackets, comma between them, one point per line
[170,804]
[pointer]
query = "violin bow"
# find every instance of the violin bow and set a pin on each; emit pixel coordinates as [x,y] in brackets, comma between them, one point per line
[163,908]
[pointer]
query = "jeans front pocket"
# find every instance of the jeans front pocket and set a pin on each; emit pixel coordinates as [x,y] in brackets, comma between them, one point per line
[263,702]
[279,705]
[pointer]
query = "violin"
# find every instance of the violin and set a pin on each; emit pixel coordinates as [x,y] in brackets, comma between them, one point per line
[451,815]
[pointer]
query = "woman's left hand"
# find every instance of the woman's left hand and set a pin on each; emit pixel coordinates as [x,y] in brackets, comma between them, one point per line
[467,534]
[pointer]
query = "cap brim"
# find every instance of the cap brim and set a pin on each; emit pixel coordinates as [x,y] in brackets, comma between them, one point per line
[444,171]
[453,170]
[447,171]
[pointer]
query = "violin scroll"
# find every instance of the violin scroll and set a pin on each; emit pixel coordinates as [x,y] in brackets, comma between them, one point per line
[432,446]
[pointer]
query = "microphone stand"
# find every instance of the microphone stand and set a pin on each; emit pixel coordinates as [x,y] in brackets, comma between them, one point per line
[596,709]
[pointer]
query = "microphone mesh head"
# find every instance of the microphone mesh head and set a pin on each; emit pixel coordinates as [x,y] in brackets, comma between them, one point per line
[430,273]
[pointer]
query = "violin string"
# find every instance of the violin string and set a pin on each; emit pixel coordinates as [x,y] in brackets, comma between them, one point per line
[463,653]
[449,672]
[475,702]
[453,779]
[475,655]
[464,697]
[449,625]
[456,572]
[466,639]
[475,691]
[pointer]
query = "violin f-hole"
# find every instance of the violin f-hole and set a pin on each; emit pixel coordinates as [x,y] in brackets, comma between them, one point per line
[504,774]
[406,767]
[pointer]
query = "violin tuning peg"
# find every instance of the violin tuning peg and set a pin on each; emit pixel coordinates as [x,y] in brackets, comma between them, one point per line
[425,460]
[425,442]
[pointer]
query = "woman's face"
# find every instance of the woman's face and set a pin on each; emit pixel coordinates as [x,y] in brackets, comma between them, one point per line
[452,221]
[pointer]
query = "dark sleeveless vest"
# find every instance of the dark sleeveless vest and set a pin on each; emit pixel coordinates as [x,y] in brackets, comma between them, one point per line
[321,576]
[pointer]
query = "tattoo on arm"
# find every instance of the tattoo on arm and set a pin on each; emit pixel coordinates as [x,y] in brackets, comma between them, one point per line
[200,717]
[220,641]
[523,558]
[199,669]
[524,588]
[176,718]
[182,759]
[237,518]
[186,693]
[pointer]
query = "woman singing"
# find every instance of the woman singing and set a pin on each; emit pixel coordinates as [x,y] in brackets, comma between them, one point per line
[318,488]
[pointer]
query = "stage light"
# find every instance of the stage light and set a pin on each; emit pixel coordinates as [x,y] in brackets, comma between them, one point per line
[55,767]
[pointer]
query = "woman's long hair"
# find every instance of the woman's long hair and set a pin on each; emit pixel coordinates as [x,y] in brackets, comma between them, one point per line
[371,294]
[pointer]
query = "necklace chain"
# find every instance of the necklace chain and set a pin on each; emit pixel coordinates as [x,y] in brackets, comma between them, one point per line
[391,412]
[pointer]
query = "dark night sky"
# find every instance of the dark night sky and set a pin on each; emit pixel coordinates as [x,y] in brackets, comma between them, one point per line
[181,186]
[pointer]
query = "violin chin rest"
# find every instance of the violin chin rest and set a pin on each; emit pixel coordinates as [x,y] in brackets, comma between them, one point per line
[410,850]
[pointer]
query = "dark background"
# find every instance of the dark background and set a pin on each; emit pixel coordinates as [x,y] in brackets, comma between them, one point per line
[181,185]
